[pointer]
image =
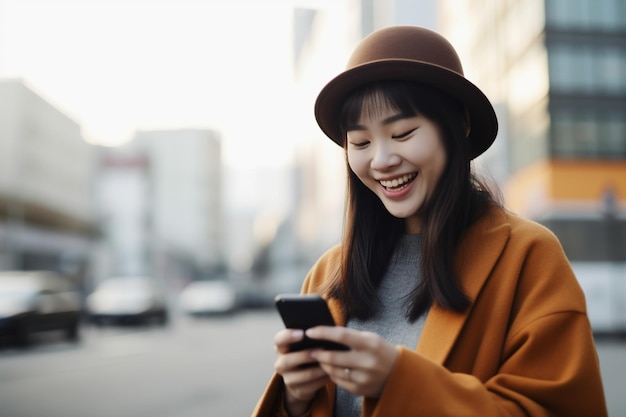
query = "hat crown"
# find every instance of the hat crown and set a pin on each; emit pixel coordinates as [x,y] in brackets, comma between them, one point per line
[406,43]
[408,54]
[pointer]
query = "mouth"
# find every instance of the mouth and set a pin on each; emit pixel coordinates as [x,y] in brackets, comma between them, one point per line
[398,183]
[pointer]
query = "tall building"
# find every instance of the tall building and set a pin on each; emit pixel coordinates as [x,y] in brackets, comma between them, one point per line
[186,192]
[376,14]
[555,69]
[324,35]
[47,171]
[160,201]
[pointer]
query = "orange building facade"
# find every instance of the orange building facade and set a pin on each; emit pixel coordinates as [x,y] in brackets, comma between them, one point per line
[554,70]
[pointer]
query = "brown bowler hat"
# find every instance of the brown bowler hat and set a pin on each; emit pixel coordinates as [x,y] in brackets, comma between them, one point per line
[408,53]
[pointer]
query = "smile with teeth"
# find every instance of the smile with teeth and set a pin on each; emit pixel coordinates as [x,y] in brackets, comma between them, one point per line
[399,182]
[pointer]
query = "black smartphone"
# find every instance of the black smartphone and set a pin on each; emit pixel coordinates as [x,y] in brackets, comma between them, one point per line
[302,311]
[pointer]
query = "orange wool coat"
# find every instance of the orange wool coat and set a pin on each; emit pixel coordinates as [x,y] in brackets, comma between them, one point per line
[524,347]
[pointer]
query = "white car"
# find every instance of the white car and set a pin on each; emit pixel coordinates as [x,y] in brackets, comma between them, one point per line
[132,300]
[208,297]
[604,285]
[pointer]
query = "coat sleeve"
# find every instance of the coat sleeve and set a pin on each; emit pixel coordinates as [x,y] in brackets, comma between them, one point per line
[527,384]
[270,404]
[526,348]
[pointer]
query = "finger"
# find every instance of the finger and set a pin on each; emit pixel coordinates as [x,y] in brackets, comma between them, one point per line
[330,360]
[303,375]
[304,388]
[349,337]
[363,372]
[286,337]
[305,380]
[295,360]
[340,374]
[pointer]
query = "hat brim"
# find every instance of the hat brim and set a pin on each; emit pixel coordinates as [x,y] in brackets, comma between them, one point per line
[484,124]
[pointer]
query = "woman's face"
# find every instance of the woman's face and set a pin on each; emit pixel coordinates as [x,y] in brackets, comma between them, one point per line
[400,158]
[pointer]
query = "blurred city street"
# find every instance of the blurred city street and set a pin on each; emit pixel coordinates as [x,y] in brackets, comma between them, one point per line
[172,146]
[193,368]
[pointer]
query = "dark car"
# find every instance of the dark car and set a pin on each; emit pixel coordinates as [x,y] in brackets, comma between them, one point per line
[37,301]
[127,300]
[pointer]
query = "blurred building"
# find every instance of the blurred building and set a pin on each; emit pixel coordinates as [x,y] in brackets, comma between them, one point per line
[161,206]
[46,176]
[124,212]
[377,14]
[556,70]
[324,35]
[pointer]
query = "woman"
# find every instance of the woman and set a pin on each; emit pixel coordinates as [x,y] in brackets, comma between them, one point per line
[451,306]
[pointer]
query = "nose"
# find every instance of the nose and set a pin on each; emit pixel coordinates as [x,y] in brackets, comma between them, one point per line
[384,156]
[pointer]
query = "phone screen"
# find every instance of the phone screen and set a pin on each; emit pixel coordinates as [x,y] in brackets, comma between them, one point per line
[302,311]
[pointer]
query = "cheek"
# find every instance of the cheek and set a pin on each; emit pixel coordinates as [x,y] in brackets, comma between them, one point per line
[357,163]
[430,155]
[435,167]
[441,159]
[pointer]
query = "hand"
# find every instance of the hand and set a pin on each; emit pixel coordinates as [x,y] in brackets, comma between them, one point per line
[301,383]
[364,369]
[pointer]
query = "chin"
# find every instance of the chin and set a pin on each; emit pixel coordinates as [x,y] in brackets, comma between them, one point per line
[402,214]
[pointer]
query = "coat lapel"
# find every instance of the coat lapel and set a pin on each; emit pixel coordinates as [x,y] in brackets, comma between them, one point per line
[479,250]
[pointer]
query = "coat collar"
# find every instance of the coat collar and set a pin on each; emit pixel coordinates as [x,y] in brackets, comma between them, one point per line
[478,252]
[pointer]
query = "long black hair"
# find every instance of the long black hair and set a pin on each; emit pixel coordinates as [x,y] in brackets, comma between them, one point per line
[371,232]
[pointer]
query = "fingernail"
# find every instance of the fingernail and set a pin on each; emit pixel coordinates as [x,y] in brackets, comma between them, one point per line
[297,334]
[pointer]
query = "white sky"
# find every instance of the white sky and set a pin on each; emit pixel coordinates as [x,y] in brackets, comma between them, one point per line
[115,66]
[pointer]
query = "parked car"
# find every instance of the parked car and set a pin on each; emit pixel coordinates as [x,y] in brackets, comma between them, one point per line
[132,300]
[604,284]
[208,297]
[36,301]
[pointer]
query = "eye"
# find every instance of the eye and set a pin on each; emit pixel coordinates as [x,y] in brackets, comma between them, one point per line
[357,139]
[404,135]
[360,144]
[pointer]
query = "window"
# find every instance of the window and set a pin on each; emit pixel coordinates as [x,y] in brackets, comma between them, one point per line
[587,68]
[611,66]
[588,134]
[610,14]
[612,135]
[591,240]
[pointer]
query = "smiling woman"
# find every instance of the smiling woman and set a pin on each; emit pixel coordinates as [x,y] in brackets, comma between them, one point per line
[431,265]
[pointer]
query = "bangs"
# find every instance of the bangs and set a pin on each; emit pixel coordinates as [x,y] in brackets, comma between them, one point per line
[408,98]
[376,99]
[375,103]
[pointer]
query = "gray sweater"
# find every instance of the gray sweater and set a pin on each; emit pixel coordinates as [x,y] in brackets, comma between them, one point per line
[391,322]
